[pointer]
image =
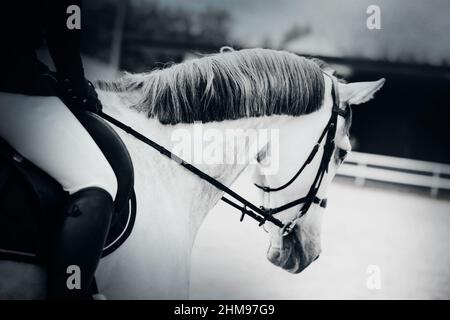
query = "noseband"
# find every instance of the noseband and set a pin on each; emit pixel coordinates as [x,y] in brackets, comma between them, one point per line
[328,148]
[246,207]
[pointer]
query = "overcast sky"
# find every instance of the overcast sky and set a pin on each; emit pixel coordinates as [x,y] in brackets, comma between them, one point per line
[412,30]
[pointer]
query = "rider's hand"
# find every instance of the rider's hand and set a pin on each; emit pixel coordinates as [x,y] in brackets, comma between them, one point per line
[79,96]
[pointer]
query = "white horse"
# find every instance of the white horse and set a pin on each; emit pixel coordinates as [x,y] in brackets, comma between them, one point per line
[154,263]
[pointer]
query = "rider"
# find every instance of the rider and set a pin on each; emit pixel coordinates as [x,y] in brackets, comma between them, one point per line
[43,129]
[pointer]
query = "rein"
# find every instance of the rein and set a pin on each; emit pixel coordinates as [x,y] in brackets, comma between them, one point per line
[254,211]
[261,214]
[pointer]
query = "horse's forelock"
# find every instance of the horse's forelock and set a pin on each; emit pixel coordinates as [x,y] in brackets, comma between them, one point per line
[229,85]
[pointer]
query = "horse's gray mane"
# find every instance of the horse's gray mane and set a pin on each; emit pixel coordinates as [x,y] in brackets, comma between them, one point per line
[229,85]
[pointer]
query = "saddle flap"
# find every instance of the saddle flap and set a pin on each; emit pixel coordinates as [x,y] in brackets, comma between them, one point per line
[115,152]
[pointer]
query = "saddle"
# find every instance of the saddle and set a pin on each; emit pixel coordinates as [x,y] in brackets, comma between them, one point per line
[30,200]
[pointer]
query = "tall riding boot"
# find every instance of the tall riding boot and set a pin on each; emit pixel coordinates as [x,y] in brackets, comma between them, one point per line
[78,244]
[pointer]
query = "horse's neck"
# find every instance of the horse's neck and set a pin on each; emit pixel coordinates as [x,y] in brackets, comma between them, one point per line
[188,197]
[172,202]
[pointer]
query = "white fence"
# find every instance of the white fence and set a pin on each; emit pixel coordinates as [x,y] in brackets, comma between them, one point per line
[362,166]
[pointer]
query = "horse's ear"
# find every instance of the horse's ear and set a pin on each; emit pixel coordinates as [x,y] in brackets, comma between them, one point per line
[359,92]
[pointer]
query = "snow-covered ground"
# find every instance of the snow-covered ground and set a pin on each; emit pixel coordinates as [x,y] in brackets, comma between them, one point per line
[404,234]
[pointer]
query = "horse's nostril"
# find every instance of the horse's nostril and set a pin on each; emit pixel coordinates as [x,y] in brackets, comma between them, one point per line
[273,255]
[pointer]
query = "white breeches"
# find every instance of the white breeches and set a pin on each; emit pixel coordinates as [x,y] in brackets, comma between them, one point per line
[43,130]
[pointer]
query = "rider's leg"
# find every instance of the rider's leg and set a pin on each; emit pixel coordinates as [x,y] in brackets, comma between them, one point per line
[44,131]
[78,243]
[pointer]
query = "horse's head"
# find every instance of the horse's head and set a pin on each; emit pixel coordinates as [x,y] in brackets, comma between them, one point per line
[295,250]
[261,85]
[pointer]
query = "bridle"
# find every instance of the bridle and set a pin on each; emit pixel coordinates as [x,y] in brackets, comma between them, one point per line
[329,134]
[246,207]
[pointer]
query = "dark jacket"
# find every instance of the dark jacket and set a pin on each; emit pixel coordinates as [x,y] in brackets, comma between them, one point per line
[25,25]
